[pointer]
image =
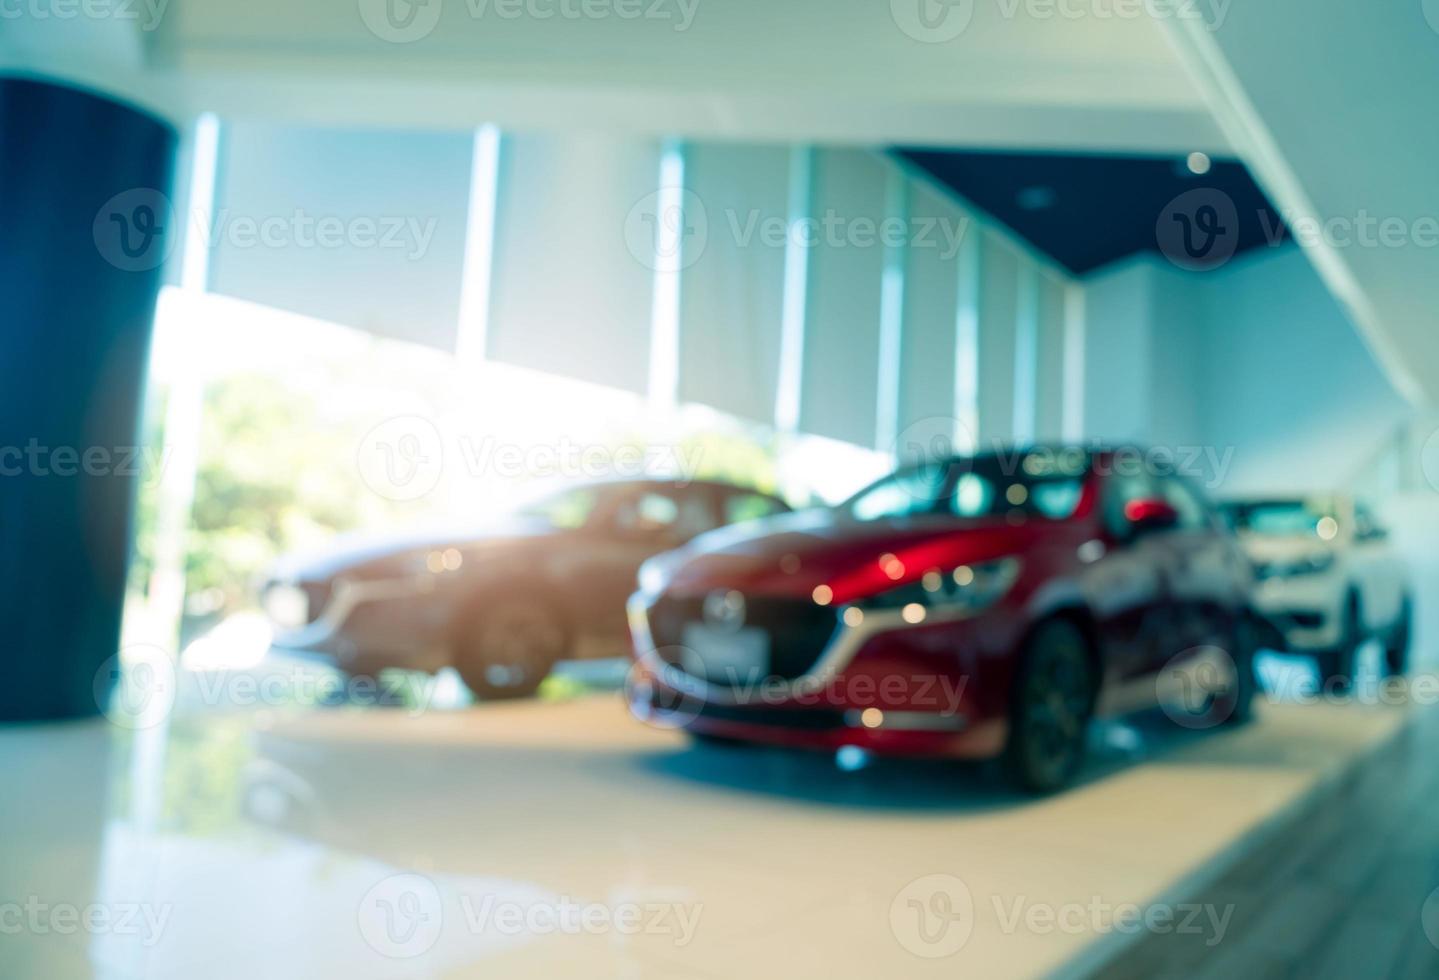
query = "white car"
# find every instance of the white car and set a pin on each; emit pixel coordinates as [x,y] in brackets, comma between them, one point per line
[1328,578]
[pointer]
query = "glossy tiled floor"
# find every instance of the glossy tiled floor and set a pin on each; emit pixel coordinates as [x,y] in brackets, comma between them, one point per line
[1351,891]
[567,839]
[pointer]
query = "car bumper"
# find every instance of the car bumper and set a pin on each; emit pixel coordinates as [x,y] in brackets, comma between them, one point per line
[1307,610]
[888,687]
[369,625]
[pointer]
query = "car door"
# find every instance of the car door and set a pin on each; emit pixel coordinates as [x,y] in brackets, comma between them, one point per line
[1204,580]
[641,522]
[1127,589]
[1377,571]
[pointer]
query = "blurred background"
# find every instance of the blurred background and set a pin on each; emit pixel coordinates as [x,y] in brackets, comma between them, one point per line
[328,272]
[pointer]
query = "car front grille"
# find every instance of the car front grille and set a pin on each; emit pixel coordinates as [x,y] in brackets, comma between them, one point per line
[798,629]
[805,720]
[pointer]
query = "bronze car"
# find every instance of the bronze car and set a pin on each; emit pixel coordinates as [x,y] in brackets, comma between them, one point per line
[506,602]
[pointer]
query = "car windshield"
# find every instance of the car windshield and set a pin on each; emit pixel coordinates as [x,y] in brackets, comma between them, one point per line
[570,508]
[1036,484]
[1284,518]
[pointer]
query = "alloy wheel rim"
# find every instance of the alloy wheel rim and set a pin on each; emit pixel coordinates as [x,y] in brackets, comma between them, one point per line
[1057,708]
[518,644]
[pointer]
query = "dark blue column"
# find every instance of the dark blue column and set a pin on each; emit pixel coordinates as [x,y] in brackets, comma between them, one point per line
[84,227]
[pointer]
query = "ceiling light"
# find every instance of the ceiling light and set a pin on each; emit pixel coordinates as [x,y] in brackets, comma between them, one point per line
[1198,163]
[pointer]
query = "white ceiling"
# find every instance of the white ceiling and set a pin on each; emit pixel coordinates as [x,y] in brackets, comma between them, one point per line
[824,70]
[1333,105]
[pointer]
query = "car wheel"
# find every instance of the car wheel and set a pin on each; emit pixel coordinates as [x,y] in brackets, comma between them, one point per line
[1236,705]
[504,648]
[1050,709]
[1337,666]
[1396,651]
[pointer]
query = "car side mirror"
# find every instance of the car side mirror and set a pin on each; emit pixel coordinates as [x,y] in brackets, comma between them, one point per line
[1150,514]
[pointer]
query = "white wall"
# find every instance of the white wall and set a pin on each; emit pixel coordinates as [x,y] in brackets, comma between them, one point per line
[1118,324]
[1289,384]
[1180,386]
[999,285]
[1145,329]
[1255,358]
[1049,408]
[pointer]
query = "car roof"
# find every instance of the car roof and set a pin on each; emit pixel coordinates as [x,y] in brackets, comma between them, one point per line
[1087,448]
[676,483]
[1003,452]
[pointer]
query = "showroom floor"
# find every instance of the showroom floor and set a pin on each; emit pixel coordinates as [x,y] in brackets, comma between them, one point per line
[1351,892]
[565,838]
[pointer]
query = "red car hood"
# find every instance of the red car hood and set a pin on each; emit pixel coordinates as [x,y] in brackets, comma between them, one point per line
[791,555]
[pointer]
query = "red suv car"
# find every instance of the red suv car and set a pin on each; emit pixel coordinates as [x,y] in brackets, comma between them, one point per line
[971,607]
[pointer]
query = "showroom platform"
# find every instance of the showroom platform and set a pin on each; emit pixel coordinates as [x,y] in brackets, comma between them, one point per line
[267,843]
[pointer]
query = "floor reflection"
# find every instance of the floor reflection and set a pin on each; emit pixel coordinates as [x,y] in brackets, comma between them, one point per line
[300,839]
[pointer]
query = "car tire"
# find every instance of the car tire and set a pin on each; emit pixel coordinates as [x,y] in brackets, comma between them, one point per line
[1050,709]
[1396,649]
[505,646]
[1338,666]
[1238,707]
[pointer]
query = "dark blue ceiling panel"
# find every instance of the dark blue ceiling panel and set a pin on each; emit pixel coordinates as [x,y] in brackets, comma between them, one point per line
[1086,211]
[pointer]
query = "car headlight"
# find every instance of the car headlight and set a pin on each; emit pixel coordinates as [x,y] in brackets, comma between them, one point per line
[655,573]
[968,587]
[288,606]
[433,561]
